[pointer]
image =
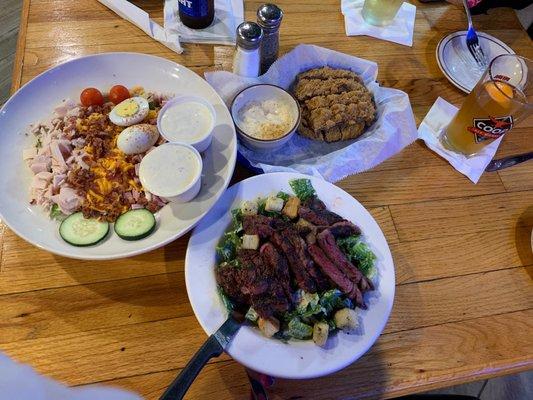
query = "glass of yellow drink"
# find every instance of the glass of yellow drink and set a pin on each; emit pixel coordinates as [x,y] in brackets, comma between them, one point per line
[502,97]
[380,12]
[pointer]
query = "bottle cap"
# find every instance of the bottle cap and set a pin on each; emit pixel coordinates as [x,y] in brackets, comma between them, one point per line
[269,16]
[249,35]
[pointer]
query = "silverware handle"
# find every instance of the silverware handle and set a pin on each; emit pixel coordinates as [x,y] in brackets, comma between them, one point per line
[258,390]
[468,15]
[177,389]
[507,162]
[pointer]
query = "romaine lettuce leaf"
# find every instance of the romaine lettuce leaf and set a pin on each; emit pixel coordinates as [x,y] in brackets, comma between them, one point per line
[302,188]
[359,253]
[227,248]
[298,330]
[283,195]
[55,213]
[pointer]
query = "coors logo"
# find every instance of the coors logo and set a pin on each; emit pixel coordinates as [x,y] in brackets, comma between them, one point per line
[490,128]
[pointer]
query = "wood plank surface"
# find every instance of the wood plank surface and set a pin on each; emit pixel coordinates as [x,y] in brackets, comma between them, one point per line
[464,301]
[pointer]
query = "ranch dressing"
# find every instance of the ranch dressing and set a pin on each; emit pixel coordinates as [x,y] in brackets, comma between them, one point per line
[170,169]
[186,122]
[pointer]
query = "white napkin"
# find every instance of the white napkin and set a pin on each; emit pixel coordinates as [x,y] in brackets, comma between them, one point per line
[140,18]
[228,15]
[400,30]
[394,128]
[21,382]
[438,117]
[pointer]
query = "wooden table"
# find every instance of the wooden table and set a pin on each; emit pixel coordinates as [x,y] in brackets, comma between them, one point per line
[464,300]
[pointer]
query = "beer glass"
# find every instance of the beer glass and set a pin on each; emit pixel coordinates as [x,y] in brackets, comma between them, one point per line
[380,12]
[502,97]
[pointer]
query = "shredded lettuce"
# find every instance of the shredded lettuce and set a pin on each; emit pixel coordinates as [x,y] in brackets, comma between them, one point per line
[231,241]
[227,248]
[236,219]
[359,253]
[261,209]
[302,188]
[298,330]
[55,213]
[331,300]
[225,300]
[283,195]
[308,305]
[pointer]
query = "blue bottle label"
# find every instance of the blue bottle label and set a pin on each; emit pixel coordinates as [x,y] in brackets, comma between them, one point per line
[194,8]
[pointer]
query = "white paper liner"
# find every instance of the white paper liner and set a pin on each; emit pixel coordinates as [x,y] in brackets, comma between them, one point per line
[394,128]
[430,130]
[141,19]
[228,15]
[400,30]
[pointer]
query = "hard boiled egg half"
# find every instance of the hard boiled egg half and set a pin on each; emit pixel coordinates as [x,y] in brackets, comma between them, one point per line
[130,111]
[137,139]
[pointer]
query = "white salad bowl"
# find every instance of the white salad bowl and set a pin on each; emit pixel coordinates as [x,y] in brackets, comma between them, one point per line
[295,359]
[205,140]
[259,93]
[67,80]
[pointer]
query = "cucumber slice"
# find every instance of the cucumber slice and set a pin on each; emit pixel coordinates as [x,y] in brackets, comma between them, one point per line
[80,231]
[135,224]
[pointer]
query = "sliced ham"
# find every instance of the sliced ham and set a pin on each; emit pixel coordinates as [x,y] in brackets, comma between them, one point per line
[45,151]
[64,147]
[39,186]
[41,180]
[62,109]
[28,154]
[78,142]
[67,200]
[37,167]
[58,180]
[57,158]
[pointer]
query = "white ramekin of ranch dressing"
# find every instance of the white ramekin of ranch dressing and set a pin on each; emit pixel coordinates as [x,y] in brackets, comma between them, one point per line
[187,119]
[172,171]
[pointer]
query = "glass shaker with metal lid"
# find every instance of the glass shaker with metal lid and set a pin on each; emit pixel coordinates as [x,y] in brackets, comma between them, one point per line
[246,61]
[269,17]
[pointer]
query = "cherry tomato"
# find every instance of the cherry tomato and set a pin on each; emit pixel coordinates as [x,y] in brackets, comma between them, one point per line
[91,97]
[119,93]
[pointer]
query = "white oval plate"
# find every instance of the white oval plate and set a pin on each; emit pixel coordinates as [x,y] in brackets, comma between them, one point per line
[297,359]
[36,100]
[458,65]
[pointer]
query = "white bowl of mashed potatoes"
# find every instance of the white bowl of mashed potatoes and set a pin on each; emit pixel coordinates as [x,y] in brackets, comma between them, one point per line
[266,116]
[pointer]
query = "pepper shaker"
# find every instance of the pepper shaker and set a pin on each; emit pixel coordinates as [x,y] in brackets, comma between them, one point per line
[269,18]
[246,61]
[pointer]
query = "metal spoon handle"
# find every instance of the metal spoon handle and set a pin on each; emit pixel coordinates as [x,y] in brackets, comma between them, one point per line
[468,15]
[507,162]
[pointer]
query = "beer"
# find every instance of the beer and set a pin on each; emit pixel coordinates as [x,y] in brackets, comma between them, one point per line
[486,114]
[197,14]
[492,108]
[380,12]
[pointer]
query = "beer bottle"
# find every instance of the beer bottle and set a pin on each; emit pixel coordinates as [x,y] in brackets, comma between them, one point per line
[197,14]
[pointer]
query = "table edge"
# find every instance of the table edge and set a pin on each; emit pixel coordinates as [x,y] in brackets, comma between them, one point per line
[16,76]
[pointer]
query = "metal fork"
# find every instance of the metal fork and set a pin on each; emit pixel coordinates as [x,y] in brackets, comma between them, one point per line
[472,41]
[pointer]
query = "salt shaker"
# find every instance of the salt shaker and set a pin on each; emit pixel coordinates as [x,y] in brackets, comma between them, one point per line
[269,18]
[246,61]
